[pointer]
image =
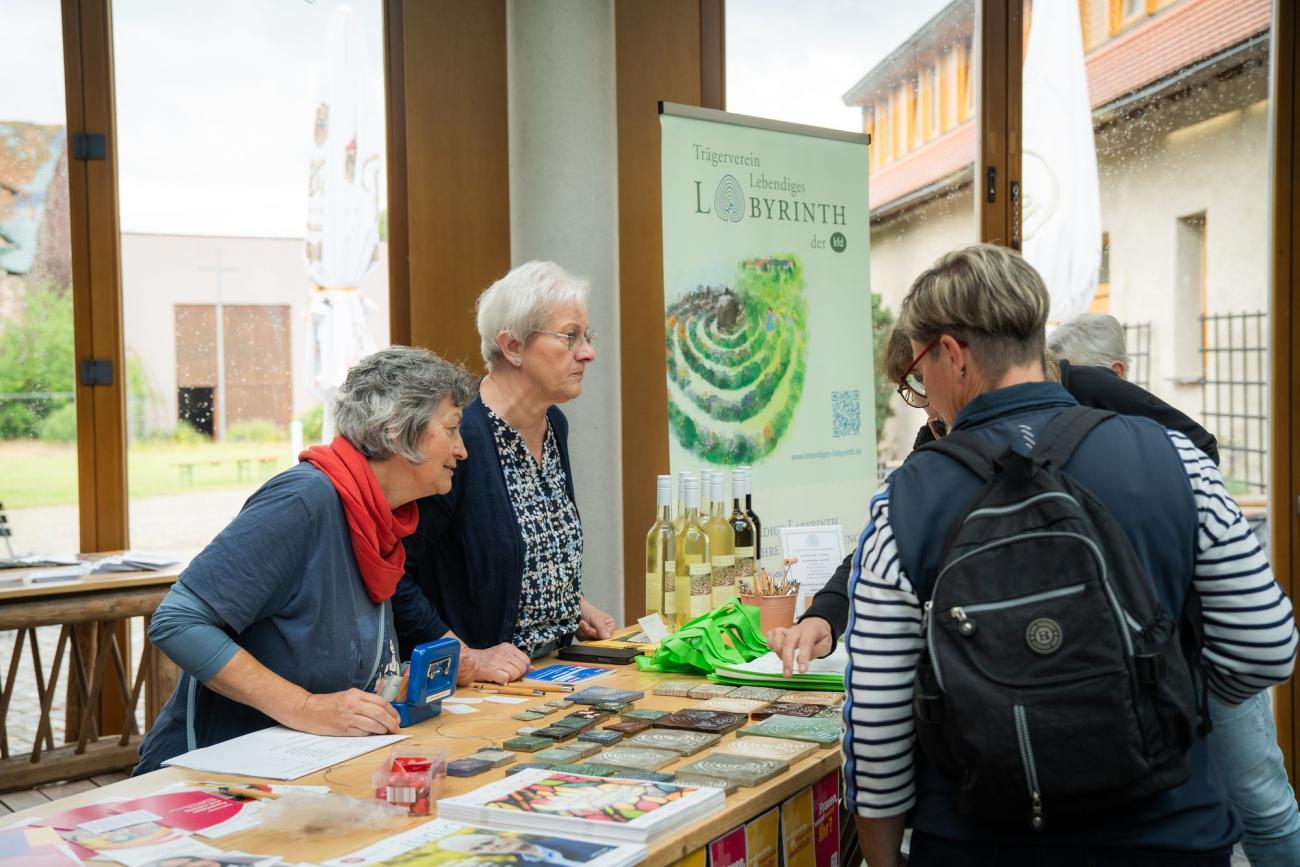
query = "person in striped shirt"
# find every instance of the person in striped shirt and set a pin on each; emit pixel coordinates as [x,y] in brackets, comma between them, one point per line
[976,321]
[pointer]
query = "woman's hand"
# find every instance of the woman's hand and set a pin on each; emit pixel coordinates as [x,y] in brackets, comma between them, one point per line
[594,623]
[810,639]
[350,712]
[500,664]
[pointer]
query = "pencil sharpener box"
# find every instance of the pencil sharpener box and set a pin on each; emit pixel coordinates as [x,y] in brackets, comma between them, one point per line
[411,778]
[431,677]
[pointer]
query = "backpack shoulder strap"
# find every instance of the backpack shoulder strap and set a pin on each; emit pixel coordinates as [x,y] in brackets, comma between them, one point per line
[1064,433]
[969,450]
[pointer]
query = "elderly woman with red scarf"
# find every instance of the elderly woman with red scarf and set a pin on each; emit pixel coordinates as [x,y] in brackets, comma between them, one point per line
[285,617]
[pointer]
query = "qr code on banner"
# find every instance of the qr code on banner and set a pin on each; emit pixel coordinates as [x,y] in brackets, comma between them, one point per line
[846,414]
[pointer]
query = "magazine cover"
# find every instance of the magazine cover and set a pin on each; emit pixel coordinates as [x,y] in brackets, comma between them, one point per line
[589,807]
[451,843]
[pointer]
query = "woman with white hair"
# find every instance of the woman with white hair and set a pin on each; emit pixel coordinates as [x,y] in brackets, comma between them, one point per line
[285,617]
[497,562]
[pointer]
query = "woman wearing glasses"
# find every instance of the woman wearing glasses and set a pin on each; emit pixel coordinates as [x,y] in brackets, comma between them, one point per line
[497,562]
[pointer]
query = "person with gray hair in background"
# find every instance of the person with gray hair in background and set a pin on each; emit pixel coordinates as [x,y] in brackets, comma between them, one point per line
[1092,340]
[497,561]
[1093,364]
[285,617]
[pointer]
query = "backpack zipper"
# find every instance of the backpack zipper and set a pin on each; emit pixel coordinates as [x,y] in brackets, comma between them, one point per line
[1031,770]
[995,511]
[966,626]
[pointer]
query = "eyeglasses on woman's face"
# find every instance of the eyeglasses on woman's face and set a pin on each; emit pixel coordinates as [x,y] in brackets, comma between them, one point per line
[573,339]
[910,387]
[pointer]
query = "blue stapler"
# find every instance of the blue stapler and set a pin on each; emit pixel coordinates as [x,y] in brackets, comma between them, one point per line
[431,677]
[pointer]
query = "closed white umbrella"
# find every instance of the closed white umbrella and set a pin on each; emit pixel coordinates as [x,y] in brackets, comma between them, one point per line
[342,244]
[1061,210]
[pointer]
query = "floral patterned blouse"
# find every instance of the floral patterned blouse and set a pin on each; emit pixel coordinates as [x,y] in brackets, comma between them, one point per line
[552,535]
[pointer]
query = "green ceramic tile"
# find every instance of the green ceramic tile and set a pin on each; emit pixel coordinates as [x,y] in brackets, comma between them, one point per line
[633,757]
[646,713]
[727,786]
[825,732]
[743,770]
[556,756]
[685,743]
[526,715]
[604,737]
[586,769]
[636,774]
[495,756]
[528,744]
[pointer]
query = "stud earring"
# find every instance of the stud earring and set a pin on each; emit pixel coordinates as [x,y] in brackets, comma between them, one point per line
[517,360]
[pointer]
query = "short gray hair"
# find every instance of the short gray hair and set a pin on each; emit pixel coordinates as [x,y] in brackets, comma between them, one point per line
[521,302]
[985,295]
[1090,340]
[389,397]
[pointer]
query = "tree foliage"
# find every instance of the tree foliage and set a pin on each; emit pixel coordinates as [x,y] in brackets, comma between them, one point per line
[37,360]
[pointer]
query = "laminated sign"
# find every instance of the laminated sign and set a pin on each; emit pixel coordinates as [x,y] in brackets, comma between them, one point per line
[767,311]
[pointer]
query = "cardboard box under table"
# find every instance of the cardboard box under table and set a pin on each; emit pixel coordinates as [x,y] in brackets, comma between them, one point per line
[461,735]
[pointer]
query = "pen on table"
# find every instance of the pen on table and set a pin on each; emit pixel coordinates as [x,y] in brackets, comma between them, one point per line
[506,690]
[235,789]
[552,687]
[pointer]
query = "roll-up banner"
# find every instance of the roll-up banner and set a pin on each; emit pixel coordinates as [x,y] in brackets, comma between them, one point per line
[767,313]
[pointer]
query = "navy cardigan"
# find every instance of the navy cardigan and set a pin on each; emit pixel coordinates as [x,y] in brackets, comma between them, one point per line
[465,561]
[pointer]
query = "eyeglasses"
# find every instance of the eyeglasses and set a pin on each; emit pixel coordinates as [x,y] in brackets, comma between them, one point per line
[910,387]
[573,339]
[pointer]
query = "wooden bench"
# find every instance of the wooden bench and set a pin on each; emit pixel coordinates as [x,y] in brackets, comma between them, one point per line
[243,466]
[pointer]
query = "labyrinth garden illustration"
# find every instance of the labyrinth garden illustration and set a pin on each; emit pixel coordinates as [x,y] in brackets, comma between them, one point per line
[737,360]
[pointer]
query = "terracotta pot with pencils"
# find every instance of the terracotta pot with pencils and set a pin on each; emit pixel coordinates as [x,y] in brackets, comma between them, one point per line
[774,598]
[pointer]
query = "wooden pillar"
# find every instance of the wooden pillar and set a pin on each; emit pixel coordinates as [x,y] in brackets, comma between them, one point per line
[1284,487]
[97,300]
[673,51]
[997,74]
[448,175]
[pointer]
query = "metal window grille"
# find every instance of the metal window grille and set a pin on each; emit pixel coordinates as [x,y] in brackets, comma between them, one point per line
[1234,396]
[1137,339]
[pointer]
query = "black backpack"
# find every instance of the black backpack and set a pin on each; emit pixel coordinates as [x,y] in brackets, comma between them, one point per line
[1052,682]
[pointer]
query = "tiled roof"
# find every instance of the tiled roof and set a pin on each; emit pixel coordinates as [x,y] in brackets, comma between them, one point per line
[932,161]
[1171,40]
[29,155]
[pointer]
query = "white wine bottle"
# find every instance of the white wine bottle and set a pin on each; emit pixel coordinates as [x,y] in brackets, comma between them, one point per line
[743,527]
[722,543]
[661,555]
[694,586]
[753,516]
[679,519]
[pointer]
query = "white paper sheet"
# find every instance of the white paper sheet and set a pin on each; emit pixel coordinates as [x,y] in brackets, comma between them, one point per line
[505,699]
[820,551]
[458,709]
[278,753]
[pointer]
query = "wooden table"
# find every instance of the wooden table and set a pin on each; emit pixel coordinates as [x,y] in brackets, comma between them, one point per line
[91,611]
[461,735]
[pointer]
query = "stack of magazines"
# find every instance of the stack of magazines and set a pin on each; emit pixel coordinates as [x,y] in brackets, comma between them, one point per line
[589,808]
[451,843]
[825,673]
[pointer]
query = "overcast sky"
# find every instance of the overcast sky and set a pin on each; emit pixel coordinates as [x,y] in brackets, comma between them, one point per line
[216,100]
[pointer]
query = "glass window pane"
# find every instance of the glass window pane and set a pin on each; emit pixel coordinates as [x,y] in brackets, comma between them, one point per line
[901,73]
[253,257]
[1170,233]
[38,422]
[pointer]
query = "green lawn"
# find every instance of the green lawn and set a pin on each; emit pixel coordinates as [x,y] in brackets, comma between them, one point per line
[45,474]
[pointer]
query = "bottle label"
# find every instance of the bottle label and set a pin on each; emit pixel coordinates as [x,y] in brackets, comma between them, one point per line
[746,566]
[701,584]
[670,587]
[700,604]
[743,553]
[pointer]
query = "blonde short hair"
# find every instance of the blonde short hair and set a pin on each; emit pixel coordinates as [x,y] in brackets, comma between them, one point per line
[985,295]
[521,302]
